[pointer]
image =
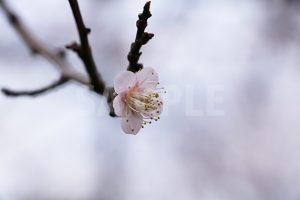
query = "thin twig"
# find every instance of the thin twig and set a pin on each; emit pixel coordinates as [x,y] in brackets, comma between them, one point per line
[141,39]
[37,48]
[84,50]
[34,93]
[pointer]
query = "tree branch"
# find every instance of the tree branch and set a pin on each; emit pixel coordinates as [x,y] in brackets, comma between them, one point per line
[34,93]
[37,48]
[84,50]
[141,39]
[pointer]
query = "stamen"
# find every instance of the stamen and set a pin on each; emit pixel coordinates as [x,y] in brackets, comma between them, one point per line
[147,103]
[132,108]
[152,82]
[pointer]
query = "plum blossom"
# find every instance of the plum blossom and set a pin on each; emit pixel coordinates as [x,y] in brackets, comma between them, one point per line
[138,99]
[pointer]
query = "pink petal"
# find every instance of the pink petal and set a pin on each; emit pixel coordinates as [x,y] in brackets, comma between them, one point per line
[132,123]
[123,81]
[147,78]
[119,105]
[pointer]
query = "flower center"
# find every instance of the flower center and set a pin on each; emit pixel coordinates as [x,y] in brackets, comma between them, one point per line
[144,102]
[147,103]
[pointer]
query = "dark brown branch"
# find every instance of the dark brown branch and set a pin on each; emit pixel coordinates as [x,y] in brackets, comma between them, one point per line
[34,93]
[110,98]
[141,39]
[38,48]
[84,50]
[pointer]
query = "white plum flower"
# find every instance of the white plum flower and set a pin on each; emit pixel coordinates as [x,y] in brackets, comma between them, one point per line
[138,99]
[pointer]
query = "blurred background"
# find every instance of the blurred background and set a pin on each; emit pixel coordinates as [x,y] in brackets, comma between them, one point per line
[230,129]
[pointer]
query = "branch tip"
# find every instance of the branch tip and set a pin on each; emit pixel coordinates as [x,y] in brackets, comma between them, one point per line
[37,92]
[141,39]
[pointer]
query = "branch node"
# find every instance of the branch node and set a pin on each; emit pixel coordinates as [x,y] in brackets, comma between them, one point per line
[13,19]
[74,46]
[87,30]
[141,24]
[146,37]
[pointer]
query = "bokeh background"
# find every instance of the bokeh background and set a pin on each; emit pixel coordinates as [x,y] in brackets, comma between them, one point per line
[63,145]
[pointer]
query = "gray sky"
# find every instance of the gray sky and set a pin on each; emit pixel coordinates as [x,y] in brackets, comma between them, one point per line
[230,127]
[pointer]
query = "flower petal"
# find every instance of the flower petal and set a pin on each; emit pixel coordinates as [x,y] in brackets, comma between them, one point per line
[147,78]
[132,123]
[119,105]
[123,81]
